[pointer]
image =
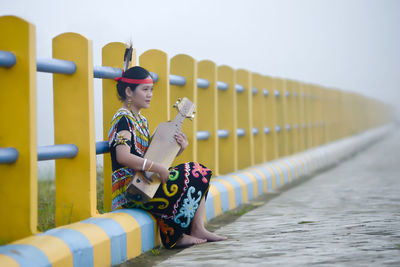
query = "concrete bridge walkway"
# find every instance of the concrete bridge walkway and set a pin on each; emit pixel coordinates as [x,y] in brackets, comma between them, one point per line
[346,216]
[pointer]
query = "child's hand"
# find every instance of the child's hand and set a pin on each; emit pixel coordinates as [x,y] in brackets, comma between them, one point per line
[182,141]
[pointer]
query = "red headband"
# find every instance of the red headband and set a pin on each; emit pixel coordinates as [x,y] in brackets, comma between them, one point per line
[133,81]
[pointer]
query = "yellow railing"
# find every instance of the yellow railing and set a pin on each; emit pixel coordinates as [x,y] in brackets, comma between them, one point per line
[250,118]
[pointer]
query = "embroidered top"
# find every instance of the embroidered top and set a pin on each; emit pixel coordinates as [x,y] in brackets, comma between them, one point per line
[139,142]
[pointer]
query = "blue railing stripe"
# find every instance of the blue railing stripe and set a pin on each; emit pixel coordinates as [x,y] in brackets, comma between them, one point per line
[25,255]
[79,245]
[117,237]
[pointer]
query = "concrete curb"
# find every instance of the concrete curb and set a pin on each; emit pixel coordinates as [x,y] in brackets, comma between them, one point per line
[115,237]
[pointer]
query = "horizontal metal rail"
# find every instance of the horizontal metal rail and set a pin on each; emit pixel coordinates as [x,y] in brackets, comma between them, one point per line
[53,65]
[223,133]
[177,80]
[8,155]
[240,132]
[223,86]
[203,83]
[57,152]
[203,135]
[154,76]
[7,59]
[102,147]
[104,72]
[239,88]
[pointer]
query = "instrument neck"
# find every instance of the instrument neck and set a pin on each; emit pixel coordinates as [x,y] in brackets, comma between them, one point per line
[179,118]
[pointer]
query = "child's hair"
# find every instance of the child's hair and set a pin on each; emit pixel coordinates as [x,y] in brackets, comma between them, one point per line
[132,73]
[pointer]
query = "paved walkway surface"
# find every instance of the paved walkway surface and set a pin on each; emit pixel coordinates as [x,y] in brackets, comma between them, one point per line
[346,216]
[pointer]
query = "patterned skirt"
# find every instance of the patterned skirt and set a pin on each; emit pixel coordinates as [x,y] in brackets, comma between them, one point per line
[176,202]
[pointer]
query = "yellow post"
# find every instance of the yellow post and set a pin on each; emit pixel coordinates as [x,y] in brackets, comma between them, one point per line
[269,120]
[258,118]
[328,115]
[186,66]
[156,61]
[301,117]
[308,116]
[315,114]
[244,120]
[18,182]
[207,116]
[338,115]
[112,56]
[288,100]
[324,114]
[74,124]
[280,116]
[321,115]
[227,122]
[342,119]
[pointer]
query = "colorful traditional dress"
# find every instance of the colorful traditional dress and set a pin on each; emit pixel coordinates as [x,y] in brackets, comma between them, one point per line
[175,202]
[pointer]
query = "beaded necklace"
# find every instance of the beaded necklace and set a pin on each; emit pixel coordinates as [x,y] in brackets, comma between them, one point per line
[140,123]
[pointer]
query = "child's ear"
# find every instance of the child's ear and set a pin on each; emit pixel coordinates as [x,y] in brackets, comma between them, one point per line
[128,91]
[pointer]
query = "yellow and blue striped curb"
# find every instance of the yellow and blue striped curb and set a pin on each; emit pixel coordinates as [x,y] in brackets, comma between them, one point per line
[118,236]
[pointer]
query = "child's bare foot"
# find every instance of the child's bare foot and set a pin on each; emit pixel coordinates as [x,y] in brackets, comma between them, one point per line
[210,237]
[188,240]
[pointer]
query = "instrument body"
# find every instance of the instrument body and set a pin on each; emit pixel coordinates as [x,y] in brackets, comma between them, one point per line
[162,149]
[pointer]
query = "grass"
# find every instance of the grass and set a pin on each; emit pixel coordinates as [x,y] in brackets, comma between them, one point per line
[46,205]
[47,199]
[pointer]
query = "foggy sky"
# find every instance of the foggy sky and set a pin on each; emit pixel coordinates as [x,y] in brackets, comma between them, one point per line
[352,45]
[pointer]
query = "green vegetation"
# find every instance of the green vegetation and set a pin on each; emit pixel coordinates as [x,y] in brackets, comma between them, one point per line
[46,202]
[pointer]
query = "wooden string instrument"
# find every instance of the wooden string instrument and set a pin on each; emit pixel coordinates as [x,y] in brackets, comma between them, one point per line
[163,149]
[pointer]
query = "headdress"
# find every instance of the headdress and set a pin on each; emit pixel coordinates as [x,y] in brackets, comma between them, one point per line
[127,60]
